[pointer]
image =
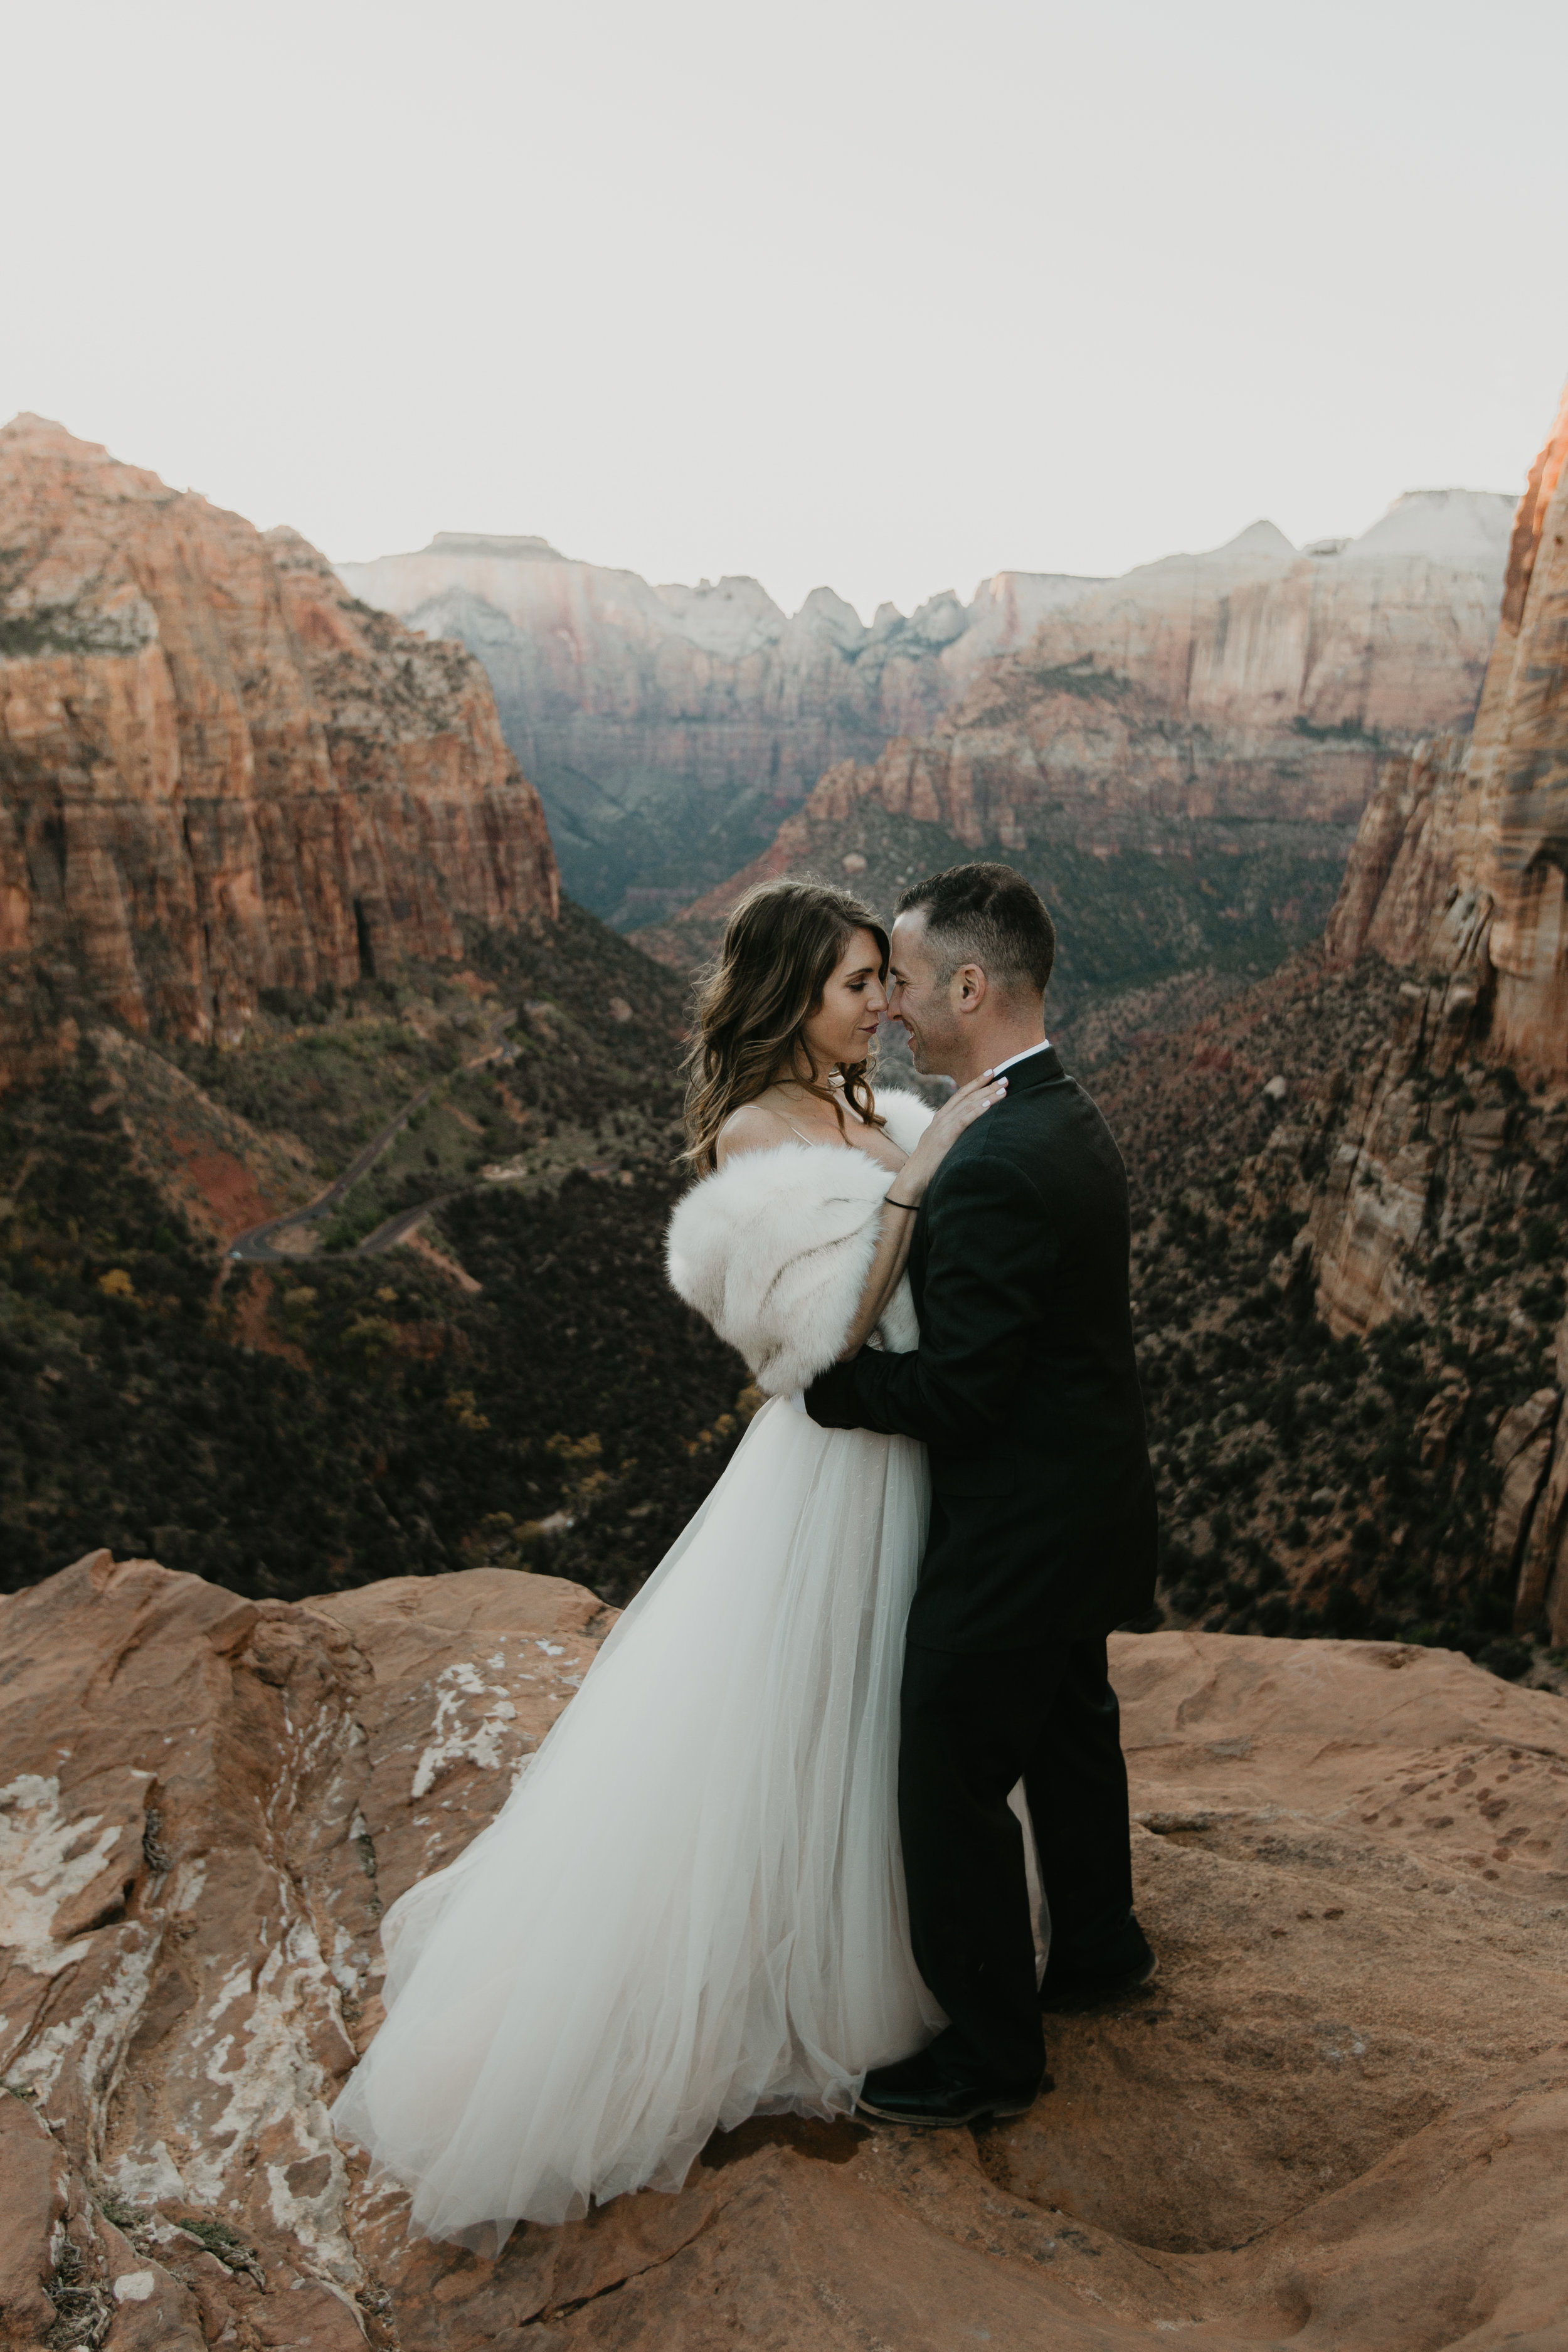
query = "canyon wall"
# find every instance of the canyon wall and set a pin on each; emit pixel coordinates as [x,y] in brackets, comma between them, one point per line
[1233,702]
[1463,853]
[1457,873]
[217,773]
[1519,763]
[1444,1153]
[668,728]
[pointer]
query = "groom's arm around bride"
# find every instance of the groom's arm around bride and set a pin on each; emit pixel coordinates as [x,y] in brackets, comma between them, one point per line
[1025,1390]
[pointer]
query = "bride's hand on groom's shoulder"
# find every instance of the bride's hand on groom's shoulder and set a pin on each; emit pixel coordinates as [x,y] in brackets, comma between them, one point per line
[959,1111]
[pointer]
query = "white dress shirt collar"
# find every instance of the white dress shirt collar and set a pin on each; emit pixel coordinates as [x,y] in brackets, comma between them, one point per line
[1042,1048]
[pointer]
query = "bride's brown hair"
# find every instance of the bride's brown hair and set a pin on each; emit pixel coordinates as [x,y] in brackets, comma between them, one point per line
[781,946]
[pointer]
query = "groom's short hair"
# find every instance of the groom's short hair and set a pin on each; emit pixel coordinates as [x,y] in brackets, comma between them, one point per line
[990,916]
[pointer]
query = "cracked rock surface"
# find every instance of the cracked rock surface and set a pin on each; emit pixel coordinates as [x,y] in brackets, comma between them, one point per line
[1339,2118]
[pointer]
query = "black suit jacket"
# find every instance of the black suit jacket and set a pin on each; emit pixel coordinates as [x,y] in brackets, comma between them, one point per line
[1024,1386]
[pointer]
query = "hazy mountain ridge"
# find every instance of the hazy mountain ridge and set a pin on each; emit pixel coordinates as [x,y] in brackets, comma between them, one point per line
[668,728]
[1237,705]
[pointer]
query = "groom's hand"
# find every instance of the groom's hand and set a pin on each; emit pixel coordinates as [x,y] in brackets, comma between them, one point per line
[832,1401]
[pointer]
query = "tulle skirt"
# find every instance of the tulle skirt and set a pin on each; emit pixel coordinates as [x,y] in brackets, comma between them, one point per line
[691,1907]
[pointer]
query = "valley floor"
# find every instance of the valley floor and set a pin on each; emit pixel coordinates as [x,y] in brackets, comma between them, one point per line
[517,1381]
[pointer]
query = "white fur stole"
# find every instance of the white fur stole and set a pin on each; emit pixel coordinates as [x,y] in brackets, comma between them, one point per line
[774,1250]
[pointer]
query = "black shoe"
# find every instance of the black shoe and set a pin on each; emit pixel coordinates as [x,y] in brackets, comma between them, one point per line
[920,2092]
[1084,1979]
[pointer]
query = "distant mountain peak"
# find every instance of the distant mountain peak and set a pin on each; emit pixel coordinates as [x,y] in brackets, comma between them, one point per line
[1259,537]
[1466,528]
[41,434]
[732,617]
[525,547]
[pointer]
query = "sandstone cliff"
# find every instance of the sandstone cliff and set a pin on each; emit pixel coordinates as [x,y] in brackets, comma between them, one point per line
[217,773]
[668,728]
[1462,858]
[208,1803]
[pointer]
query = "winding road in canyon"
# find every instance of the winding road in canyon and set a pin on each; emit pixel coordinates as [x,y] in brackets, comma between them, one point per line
[255,1245]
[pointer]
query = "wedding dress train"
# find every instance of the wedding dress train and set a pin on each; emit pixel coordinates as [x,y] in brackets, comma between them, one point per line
[691,1906]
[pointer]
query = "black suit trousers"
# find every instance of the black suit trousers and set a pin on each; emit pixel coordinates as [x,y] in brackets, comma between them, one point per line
[973,1724]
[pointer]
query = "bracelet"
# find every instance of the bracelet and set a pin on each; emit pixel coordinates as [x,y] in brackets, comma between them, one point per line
[912,1207]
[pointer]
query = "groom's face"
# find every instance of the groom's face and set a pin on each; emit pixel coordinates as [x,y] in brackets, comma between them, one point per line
[920,999]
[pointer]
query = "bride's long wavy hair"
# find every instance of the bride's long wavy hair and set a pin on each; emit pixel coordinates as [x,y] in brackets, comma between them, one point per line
[781,946]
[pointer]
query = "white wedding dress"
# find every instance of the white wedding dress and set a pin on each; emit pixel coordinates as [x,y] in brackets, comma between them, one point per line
[691,1907]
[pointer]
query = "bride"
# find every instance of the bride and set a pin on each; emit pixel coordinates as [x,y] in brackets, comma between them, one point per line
[691,1906]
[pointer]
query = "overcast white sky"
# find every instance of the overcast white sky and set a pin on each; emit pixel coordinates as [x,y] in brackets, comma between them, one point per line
[886,296]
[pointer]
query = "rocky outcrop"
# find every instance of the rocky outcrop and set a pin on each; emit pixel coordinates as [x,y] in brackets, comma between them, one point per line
[217,773]
[1241,701]
[205,1803]
[1418,836]
[668,728]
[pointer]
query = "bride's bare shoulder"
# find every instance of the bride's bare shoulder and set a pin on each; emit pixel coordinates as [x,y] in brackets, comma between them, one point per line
[752,1128]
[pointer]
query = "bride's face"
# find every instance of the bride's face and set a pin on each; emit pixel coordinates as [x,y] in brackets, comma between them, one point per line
[853,1004]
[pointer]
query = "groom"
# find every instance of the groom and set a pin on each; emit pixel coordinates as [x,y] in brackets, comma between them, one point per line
[1043,1518]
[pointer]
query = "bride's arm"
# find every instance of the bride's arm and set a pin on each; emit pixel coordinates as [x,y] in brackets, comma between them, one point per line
[887,1267]
[904,1196]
